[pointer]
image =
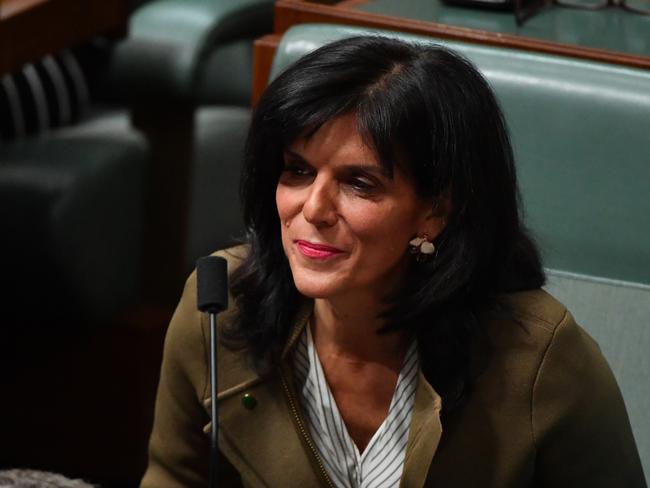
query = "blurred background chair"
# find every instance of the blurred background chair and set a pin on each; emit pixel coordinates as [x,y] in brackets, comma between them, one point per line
[183,62]
[102,214]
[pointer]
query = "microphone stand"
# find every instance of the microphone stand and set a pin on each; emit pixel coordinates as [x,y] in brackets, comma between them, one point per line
[214,447]
[212,298]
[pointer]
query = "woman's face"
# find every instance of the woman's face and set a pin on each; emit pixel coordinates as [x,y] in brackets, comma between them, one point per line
[345,223]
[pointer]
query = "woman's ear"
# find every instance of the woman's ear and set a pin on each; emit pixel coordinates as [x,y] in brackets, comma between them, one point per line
[437,215]
[442,205]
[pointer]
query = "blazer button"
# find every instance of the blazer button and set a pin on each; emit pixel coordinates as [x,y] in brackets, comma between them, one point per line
[249,401]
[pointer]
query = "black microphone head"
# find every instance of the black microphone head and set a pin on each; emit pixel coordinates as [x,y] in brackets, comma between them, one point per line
[212,284]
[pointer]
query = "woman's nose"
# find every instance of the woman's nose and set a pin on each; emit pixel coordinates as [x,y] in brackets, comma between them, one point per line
[319,208]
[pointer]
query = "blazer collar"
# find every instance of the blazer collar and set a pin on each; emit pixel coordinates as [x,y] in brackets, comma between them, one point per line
[299,324]
[262,442]
[246,433]
[424,435]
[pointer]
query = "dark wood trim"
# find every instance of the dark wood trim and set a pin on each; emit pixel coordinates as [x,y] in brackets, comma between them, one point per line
[169,128]
[350,3]
[11,8]
[94,403]
[263,54]
[292,12]
[31,29]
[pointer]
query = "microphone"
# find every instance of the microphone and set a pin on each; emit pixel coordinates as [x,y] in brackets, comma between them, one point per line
[212,284]
[212,298]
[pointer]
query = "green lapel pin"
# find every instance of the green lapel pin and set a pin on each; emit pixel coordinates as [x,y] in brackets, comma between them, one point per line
[249,401]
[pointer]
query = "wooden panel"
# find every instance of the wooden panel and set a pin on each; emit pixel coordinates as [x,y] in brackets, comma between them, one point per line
[350,3]
[263,53]
[87,394]
[169,128]
[10,8]
[30,29]
[292,12]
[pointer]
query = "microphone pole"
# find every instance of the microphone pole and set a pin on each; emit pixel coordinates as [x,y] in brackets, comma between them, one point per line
[212,298]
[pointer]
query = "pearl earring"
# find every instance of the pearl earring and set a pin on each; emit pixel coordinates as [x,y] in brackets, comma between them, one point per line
[421,246]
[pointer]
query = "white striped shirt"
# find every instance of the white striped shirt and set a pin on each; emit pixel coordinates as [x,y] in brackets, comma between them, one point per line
[382,462]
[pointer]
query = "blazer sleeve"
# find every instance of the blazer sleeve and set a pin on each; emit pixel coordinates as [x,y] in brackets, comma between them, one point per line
[178,448]
[581,428]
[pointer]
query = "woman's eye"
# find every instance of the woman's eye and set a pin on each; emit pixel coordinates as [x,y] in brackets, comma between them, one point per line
[363,185]
[295,172]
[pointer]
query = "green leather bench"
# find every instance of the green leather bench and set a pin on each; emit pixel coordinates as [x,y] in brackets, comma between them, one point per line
[581,133]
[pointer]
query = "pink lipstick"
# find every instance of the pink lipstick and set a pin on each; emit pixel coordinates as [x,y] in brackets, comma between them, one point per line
[317,251]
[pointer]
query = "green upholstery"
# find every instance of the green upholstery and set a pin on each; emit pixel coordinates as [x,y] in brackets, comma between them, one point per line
[215,218]
[582,143]
[170,42]
[581,136]
[198,53]
[617,315]
[72,200]
[232,85]
[71,217]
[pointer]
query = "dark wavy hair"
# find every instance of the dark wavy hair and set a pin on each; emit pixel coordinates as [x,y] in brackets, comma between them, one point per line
[429,111]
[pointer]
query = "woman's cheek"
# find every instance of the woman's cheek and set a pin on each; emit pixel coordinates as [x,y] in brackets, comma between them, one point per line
[287,201]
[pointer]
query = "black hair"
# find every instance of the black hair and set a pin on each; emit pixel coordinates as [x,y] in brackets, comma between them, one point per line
[428,110]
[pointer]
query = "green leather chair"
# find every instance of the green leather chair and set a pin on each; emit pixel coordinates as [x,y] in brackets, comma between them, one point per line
[580,133]
[215,220]
[72,212]
[186,70]
[72,198]
[192,50]
[71,204]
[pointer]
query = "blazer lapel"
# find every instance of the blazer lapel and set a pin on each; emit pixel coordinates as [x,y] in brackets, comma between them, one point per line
[246,433]
[262,442]
[424,435]
[259,437]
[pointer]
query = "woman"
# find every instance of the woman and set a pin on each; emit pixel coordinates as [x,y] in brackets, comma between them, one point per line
[387,326]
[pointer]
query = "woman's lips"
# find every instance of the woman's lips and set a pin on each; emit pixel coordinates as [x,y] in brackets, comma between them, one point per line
[317,251]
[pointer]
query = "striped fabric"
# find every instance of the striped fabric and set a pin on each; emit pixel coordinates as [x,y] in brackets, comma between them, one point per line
[382,462]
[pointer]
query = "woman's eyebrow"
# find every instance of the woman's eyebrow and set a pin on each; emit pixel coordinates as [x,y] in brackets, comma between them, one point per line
[366,168]
[294,155]
[354,167]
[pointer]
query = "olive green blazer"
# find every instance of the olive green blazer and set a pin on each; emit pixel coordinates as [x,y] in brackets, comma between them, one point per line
[546,412]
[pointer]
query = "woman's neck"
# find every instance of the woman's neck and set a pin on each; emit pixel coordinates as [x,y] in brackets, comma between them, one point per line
[347,328]
[361,366]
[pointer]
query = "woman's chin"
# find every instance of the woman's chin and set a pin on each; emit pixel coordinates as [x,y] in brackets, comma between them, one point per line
[314,292]
[319,287]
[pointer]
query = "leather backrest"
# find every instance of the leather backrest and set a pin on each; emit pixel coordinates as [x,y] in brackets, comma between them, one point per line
[177,48]
[616,314]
